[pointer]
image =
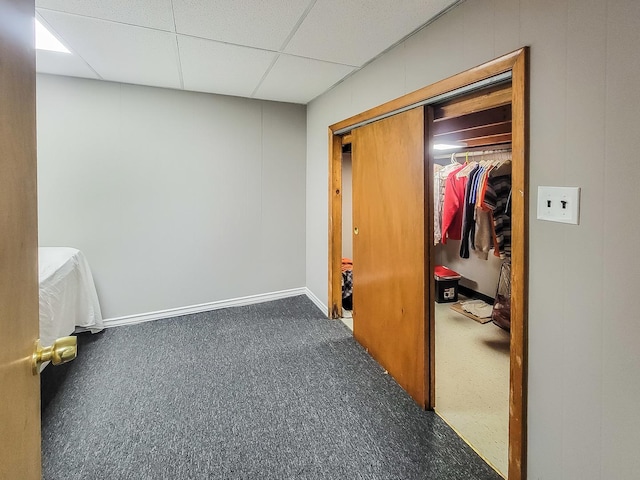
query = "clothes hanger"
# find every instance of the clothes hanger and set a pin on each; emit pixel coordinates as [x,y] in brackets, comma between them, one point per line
[466,169]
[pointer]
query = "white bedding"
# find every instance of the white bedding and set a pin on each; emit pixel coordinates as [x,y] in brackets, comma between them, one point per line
[68,298]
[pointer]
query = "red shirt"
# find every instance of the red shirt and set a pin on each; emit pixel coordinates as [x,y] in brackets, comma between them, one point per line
[453,205]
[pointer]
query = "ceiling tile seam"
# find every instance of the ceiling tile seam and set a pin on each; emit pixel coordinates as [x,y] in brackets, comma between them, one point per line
[222,42]
[265,50]
[298,24]
[179,59]
[68,45]
[173,16]
[269,68]
[320,60]
[175,38]
[104,20]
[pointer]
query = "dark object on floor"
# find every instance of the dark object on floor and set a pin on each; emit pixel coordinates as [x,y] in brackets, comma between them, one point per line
[269,391]
[347,302]
[501,315]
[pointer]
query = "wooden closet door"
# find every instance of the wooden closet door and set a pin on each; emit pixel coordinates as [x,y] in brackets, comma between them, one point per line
[389,247]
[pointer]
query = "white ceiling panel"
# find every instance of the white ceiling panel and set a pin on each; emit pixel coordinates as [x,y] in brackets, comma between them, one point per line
[58,63]
[214,67]
[120,52]
[226,46]
[143,13]
[254,23]
[353,32]
[299,80]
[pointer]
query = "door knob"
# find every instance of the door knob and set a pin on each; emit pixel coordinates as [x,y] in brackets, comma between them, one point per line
[63,350]
[355,230]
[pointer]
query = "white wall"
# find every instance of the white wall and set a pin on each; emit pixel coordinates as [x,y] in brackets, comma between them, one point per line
[584,332]
[477,274]
[176,198]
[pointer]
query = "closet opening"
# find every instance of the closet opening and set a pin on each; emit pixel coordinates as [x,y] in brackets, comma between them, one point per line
[347,236]
[470,161]
[488,115]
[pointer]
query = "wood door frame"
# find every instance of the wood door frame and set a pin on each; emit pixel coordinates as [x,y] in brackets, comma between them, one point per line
[517,63]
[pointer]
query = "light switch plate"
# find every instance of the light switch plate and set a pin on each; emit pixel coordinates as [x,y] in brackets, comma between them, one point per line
[559,204]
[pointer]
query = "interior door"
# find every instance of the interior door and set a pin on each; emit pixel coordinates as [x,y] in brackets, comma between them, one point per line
[19,388]
[389,247]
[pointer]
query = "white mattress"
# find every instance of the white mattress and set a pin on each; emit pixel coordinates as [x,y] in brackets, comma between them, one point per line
[68,298]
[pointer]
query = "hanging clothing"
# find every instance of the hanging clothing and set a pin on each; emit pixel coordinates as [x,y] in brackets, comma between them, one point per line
[469,220]
[440,175]
[452,207]
[498,200]
[483,241]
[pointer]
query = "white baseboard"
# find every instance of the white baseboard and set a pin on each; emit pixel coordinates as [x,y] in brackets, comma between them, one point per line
[207,307]
[317,301]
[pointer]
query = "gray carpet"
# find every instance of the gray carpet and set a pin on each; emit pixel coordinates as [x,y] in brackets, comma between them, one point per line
[269,391]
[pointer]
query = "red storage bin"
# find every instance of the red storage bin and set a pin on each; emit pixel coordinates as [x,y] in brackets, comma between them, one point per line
[446,284]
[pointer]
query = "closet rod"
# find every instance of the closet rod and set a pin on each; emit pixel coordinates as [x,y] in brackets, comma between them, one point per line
[474,153]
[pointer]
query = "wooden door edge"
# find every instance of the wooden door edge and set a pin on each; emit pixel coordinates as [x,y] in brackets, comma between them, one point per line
[430,337]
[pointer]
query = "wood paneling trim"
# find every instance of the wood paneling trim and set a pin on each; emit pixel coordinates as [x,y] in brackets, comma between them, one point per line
[487,117]
[481,72]
[335,226]
[519,269]
[474,132]
[495,97]
[488,140]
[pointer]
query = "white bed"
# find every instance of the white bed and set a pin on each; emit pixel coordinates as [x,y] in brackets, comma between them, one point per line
[68,298]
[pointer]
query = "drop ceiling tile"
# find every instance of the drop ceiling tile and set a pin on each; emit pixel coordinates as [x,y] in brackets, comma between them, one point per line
[58,63]
[353,32]
[143,13]
[254,23]
[300,80]
[214,67]
[118,52]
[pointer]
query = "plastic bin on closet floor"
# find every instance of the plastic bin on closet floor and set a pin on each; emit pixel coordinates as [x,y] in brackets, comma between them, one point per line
[446,284]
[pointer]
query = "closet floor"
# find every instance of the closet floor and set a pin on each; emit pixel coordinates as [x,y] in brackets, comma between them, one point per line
[472,383]
[347,318]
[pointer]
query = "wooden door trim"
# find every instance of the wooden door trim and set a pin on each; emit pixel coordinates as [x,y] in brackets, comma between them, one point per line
[517,63]
[335,225]
[481,72]
[519,269]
